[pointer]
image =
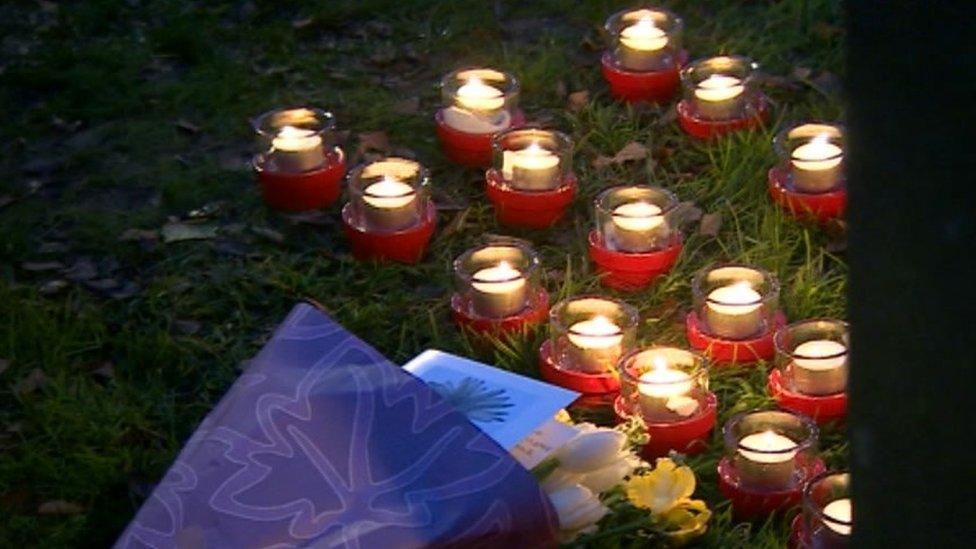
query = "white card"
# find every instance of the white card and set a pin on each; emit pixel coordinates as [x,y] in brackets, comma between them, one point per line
[506,406]
[542,442]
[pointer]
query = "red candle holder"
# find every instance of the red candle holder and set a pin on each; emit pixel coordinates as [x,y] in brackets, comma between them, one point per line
[720,97]
[735,314]
[812,368]
[827,518]
[636,238]
[531,182]
[667,388]
[497,288]
[644,59]
[770,456]
[478,103]
[809,183]
[389,216]
[296,167]
[587,336]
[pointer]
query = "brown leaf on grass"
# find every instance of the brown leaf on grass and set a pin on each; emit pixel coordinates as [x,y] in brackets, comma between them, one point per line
[82,269]
[269,234]
[187,327]
[41,266]
[688,212]
[59,507]
[52,287]
[560,88]
[409,105]
[139,235]
[631,151]
[710,224]
[802,73]
[577,100]
[187,126]
[34,380]
[178,232]
[302,23]
[602,162]
[104,370]
[456,225]
[373,141]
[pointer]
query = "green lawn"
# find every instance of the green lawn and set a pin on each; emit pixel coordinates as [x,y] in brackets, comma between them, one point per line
[120,114]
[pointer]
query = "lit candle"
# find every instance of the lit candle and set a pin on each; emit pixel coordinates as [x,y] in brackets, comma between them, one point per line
[837,516]
[642,46]
[664,392]
[596,344]
[533,168]
[720,97]
[478,108]
[820,367]
[475,95]
[297,150]
[816,165]
[766,460]
[499,291]
[734,311]
[638,227]
[390,204]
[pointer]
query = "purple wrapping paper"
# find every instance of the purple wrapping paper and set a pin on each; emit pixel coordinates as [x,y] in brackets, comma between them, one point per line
[322,442]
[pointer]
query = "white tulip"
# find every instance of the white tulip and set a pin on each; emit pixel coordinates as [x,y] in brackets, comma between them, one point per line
[577,507]
[590,450]
[607,477]
[558,479]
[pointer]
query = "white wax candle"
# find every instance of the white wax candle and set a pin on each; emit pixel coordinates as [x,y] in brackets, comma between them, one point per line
[644,36]
[297,149]
[597,343]
[820,367]
[816,165]
[837,516]
[637,226]
[531,168]
[719,87]
[475,95]
[664,389]
[768,446]
[499,291]
[720,97]
[734,311]
[391,204]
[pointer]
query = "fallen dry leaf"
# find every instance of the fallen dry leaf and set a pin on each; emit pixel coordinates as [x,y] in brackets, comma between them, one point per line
[178,232]
[409,105]
[373,141]
[41,266]
[631,151]
[577,100]
[59,507]
[105,370]
[34,380]
[302,23]
[52,287]
[135,235]
[82,269]
[187,126]
[710,224]
[268,233]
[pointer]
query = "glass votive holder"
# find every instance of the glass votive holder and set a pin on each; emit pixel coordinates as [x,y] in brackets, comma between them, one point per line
[294,140]
[636,218]
[813,155]
[664,384]
[497,280]
[812,356]
[532,159]
[589,334]
[479,100]
[721,88]
[388,195]
[827,511]
[735,301]
[770,450]
[646,39]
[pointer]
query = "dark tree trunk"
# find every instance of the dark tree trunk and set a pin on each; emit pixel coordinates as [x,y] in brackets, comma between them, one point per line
[911,80]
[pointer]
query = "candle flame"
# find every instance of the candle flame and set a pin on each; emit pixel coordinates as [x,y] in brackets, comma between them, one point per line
[660,363]
[292,132]
[820,139]
[600,325]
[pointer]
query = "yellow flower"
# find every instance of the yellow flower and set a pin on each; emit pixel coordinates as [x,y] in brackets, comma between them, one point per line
[663,488]
[562,416]
[686,522]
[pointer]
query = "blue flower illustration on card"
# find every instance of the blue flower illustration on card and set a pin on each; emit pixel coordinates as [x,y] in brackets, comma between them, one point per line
[475,399]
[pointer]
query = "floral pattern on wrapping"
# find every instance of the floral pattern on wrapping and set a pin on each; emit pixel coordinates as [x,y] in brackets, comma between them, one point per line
[323,443]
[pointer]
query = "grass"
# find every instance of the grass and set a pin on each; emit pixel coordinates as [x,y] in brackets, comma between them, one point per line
[96,94]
